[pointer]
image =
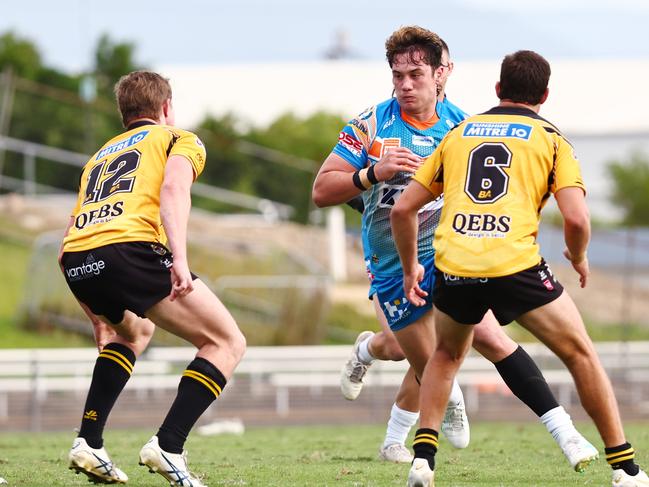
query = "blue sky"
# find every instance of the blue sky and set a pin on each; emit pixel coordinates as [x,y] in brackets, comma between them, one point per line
[245,31]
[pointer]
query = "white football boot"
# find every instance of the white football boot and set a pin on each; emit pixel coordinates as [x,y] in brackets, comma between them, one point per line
[579,452]
[172,466]
[351,377]
[95,463]
[623,479]
[396,452]
[455,425]
[420,474]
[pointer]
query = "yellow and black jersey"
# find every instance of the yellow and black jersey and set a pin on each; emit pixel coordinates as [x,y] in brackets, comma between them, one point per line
[496,171]
[119,190]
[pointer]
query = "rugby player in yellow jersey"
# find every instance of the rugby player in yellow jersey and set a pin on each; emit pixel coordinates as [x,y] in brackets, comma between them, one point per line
[116,262]
[497,171]
[419,69]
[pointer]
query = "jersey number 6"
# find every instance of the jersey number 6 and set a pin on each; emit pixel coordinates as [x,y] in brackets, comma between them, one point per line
[486,181]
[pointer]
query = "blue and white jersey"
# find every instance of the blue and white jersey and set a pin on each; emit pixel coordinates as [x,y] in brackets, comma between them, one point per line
[362,142]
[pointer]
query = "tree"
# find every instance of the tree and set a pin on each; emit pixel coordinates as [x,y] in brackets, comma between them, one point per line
[631,188]
[311,138]
[112,61]
[19,54]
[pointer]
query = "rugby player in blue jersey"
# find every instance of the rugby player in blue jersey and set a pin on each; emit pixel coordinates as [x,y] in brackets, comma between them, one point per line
[376,155]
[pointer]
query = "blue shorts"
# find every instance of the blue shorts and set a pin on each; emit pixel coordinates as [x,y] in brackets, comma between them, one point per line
[370,277]
[397,310]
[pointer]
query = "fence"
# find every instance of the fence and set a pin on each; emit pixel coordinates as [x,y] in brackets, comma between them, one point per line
[28,185]
[45,389]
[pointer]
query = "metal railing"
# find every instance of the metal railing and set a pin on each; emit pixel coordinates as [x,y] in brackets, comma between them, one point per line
[41,389]
[270,210]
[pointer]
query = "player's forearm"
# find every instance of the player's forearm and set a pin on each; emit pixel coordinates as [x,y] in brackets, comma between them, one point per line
[334,188]
[175,203]
[577,235]
[405,229]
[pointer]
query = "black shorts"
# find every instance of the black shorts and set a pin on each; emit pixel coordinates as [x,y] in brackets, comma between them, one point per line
[466,299]
[117,277]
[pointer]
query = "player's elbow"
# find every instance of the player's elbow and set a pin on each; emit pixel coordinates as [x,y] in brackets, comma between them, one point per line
[400,211]
[577,221]
[320,195]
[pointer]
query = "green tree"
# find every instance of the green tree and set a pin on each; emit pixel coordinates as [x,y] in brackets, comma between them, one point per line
[311,139]
[20,54]
[631,188]
[112,61]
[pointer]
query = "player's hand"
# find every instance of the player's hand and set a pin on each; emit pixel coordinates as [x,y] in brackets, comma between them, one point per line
[395,160]
[181,280]
[104,334]
[580,265]
[414,294]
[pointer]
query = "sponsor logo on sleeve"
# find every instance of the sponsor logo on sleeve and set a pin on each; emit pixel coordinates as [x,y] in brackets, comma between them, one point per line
[367,113]
[500,130]
[350,143]
[356,123]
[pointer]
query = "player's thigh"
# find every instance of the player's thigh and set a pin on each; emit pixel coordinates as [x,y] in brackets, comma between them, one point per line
[558,324]
[199,317]
[453,338]
[385,339]
[491,341]
[417,341]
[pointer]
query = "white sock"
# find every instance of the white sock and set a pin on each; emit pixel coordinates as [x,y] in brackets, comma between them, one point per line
[558,423]
[399,425]
[364,354]
[456,394]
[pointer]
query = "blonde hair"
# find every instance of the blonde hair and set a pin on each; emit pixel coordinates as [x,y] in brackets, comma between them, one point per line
[141,94]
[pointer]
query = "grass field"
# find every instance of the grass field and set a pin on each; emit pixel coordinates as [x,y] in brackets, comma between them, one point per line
[500,455]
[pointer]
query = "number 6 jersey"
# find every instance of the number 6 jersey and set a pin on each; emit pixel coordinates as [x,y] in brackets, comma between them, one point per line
[497,171]
[119,190]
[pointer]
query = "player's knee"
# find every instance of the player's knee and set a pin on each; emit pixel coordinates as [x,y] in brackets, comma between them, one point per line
[385,346]
[450,354]
[393,351]
[238,344]
[579,354]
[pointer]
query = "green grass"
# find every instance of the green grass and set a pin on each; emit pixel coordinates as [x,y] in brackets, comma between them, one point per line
[500,454]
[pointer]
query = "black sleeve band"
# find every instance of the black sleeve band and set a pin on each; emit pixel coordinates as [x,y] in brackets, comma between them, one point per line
[357,204]
[371,176]
[356,179]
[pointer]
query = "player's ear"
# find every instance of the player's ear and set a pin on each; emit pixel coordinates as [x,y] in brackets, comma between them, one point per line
[437,74]
[166,107]
[168,112]
[498,89]
[545,96]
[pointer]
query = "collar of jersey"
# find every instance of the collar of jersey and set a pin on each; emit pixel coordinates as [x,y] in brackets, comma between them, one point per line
[138,124]
[418,124]
[526,112]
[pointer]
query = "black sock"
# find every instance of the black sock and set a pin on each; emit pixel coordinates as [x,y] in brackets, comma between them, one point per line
[113,369]
[526,381]
[425,445]
[199,386]
[622,457]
